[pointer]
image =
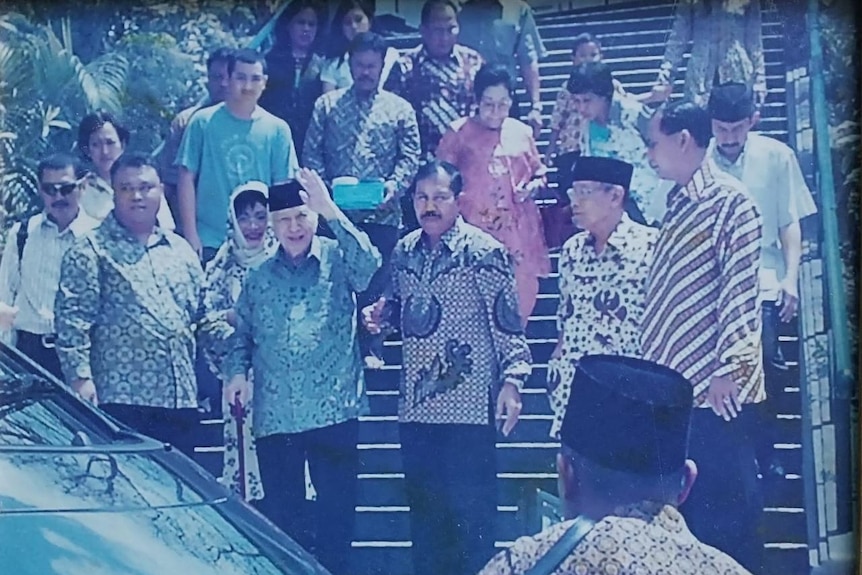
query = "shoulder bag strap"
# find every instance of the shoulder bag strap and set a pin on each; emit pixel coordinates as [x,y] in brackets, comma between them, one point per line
[564,546]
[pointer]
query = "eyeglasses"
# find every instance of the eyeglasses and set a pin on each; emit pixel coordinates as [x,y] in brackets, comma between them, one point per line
[587,192]
[63,188]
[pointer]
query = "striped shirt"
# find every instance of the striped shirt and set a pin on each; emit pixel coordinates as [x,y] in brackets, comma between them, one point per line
[32,289]
[702,315]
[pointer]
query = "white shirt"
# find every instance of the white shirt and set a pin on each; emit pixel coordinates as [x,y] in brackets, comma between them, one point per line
[33,289]
[770,171]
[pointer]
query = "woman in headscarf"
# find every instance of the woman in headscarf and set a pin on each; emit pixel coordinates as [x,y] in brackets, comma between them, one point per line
[250,242]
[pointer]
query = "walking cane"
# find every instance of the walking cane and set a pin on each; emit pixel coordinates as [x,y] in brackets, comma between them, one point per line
[238,413]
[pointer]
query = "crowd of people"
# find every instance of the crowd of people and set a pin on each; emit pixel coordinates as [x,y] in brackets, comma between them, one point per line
[321,201]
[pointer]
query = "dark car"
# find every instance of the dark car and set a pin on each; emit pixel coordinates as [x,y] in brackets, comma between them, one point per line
[82,494]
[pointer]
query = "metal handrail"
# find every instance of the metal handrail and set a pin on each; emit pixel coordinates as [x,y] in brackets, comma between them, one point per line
[257,40]
[842,371]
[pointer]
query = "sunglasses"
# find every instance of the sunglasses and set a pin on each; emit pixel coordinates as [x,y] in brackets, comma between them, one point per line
[63,189]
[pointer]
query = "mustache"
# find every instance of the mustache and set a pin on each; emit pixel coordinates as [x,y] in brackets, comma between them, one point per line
[428,215]
[60,204]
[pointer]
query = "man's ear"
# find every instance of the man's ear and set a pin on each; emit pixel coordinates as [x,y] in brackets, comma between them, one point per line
[689,475]
[755,118]
[566,479]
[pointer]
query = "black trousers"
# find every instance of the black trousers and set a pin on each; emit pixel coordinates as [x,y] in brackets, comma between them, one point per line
[33,346]
[451,476]
[774,371]
[384,239]
[325,527]
[179,427]
[725,506]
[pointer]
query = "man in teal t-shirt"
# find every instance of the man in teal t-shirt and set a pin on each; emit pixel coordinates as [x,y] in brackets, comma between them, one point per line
[227,145]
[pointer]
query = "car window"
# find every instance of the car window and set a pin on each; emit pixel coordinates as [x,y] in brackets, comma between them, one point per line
[91,513]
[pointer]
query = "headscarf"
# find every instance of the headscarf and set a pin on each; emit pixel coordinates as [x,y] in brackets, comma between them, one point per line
[243,254]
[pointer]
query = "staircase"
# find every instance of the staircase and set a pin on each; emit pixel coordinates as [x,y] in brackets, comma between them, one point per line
[633,37]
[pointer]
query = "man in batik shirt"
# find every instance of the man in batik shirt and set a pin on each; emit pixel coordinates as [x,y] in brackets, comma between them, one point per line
[464,352]
[623,472]
[128,299]
[702,318]
[603,272]
[296,328]
[437,76]
[369,134]
[726,42]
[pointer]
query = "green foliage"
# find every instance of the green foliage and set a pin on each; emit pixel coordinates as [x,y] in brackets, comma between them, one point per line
[44,90]
[144,63]
[841,76]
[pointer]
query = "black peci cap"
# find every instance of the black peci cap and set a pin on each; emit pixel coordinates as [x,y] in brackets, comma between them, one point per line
[286,195]
[628,414]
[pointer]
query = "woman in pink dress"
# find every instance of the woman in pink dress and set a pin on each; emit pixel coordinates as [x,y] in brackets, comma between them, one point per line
[502,173]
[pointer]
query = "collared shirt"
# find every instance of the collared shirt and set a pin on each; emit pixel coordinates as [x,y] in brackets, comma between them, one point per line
[98,201]
[726,40]
[33,289]
[503,32]
[296,327]
[368,138]
[601,302]
[440,90]
[125,312]
[772,175]
[702,315]
[461,331]
[623,139]
[645,538]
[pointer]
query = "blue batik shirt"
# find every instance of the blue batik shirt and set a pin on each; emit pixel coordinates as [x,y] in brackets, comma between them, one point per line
[125,314]
[296,326]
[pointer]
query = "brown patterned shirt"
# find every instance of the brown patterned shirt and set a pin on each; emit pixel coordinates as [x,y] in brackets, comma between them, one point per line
[702,315]
[462,334]
[441,91]
[642,539]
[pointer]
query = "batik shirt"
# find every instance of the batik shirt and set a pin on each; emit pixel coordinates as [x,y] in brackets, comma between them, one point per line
[727,40]
[622,139]
[374,138]
[568,122]
[124,314]
[296,326]
[461,331]
[601,303]
[702,314]
[440,90]
[645,539]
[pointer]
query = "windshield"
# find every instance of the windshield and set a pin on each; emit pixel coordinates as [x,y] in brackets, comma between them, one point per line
[77,496]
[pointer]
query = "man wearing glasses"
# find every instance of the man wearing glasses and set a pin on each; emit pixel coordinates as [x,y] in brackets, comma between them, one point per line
[30,267]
